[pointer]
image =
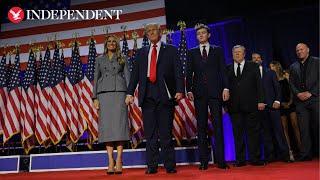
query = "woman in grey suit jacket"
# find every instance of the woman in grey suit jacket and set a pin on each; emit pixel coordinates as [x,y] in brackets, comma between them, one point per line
[110,85]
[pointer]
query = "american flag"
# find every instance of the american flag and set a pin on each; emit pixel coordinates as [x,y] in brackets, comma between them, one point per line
[184,124]
[3,91]
[182,51]
[88,111]
[133,55]
[12,114]
[42,129]
[77,125]
[135,14]
[27,104]
[125,47]
[57,102]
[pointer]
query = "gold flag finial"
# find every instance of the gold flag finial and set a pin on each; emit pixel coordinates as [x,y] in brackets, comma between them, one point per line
[134,35]
[182,25]
[17,46]
[73,42]
[167,31]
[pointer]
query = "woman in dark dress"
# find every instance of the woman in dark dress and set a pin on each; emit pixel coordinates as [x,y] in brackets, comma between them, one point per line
[287,108]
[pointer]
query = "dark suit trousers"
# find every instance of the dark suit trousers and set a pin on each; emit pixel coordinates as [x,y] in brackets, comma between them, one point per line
[246,123]
[308,119]
[272,135]
[201,108]
[158,123]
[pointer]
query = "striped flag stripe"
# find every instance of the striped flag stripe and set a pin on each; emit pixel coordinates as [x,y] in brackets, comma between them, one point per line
[81,24]
[135,7]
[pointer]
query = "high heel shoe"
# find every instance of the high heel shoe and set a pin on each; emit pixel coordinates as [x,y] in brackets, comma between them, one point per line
[118,170]
[111,171]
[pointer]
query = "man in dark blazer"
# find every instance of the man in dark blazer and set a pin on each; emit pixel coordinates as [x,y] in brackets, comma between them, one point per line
[207,85]
[304,82]
[157,71]
[246,98]
[271,129]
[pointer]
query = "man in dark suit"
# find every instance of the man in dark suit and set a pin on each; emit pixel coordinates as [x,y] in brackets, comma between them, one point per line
[304,82]
[207,85]
[246,98]
[157,71]
[270,117]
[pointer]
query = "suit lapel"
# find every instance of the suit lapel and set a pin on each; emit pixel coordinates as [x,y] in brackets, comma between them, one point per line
[299,70]
[162,49]
[244,70]
[211,52]
[309,66]
[198,53]
[146,54]
[264,71]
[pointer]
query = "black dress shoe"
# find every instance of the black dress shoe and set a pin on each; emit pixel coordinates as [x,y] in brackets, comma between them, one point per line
[203,166]
[171,171]
[223,166]
[304,159]
[151,171]
[240,164]
[258,163]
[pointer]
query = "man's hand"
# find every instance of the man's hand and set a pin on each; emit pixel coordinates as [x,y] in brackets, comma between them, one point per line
[303,96]
[190,96]
[225,95]
[178,96]
[285,105]
[276,105]
[96,103]
[261,106]
[308,95]
[129,100]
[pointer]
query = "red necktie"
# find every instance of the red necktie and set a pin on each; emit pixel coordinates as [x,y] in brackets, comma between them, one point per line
[153,64]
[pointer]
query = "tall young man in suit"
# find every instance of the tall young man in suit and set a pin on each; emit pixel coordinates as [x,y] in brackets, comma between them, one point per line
[157,71]
[271,129]
[304,83]
[246,98]
[207,85]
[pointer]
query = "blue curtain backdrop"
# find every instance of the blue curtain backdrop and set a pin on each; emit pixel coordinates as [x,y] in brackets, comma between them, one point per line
[274,36]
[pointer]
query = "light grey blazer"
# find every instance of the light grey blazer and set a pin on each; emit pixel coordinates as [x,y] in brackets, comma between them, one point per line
[110,76]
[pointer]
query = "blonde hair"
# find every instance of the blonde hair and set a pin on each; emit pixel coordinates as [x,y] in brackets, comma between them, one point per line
[118,53]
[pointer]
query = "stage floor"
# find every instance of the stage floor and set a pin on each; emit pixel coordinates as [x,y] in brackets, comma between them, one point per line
[278,170]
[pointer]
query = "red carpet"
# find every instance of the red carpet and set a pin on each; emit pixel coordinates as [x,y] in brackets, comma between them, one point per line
[278,170]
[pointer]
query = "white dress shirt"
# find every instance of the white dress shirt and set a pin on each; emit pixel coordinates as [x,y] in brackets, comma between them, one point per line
[235,66]
[207,48]
[150,53]
[261,72]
